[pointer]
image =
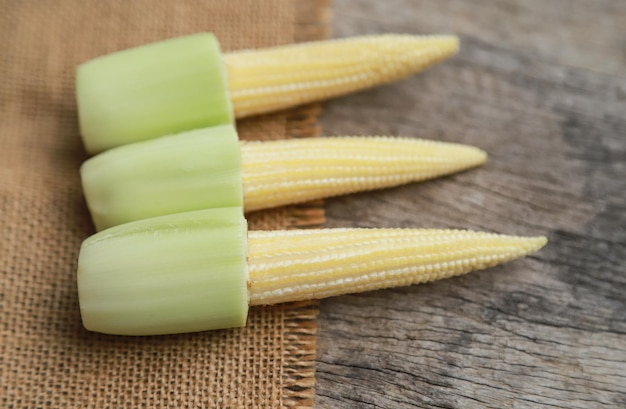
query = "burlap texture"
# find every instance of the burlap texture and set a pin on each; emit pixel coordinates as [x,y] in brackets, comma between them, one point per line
[46,358]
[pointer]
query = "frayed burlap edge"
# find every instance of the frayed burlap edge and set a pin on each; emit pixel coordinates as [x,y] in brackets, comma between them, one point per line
[300,322]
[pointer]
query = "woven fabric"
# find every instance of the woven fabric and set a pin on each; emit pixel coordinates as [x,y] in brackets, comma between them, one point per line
[46,358]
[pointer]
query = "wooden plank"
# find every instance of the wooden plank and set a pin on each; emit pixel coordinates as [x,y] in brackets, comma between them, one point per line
[540,86]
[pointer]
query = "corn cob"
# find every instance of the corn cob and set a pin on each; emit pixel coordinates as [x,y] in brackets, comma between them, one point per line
[184,83]
[203,169]
[289,266]
[270,79]
[290,171]
[197,271]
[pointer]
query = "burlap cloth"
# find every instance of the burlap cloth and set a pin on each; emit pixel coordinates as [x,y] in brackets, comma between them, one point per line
[46,358]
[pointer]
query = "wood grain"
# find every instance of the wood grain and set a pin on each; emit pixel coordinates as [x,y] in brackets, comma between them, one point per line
[540,86]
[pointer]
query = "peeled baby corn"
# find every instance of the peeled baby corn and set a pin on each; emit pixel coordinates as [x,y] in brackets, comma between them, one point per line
[210,168]
[286,266]
[185,83]
[197,271]
[296,170]
[276,78]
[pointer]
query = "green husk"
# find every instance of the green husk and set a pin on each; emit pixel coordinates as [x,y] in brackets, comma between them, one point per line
[193,170]
[152,90]
[180,273]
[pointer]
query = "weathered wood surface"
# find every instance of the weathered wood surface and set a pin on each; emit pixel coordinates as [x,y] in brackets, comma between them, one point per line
[541,86]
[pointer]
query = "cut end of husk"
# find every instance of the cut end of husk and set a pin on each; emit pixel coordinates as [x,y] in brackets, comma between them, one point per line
[180,273]
[194,170]
[152,90]
[275,78]
[291,171]
[287,266]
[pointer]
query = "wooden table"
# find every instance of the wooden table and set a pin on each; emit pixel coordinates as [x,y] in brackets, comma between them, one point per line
[540,86]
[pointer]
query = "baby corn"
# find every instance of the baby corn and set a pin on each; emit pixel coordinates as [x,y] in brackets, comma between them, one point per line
[289,266]
[296,170]
[210,168]
[186,83]
[270,79]
[200,270]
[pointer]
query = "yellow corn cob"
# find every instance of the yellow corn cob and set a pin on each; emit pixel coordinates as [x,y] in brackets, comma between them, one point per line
[290,171]
[186,83]
[199,270]
[275,78]
[289,266]
[211,168]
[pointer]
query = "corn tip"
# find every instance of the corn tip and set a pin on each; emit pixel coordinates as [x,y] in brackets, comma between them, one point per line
[535,243]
